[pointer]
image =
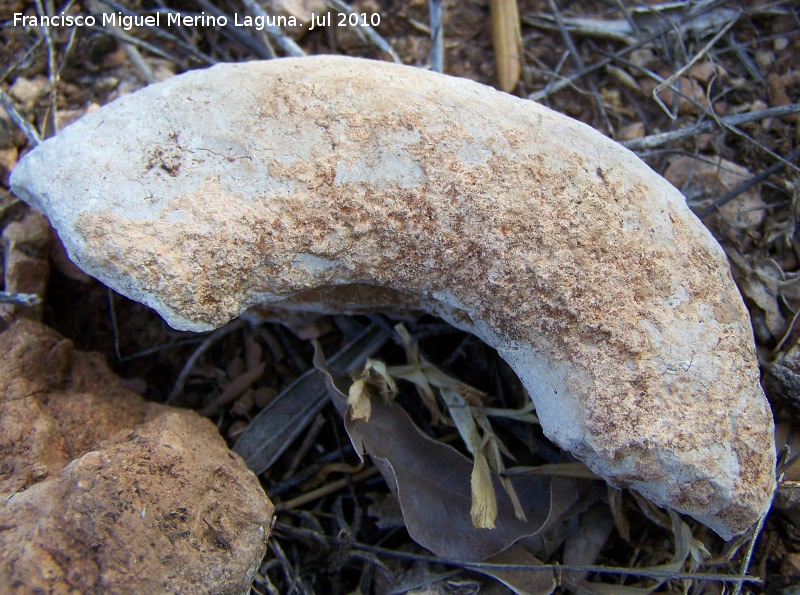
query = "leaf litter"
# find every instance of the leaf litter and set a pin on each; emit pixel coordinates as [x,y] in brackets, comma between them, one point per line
[736,125]
[435,484]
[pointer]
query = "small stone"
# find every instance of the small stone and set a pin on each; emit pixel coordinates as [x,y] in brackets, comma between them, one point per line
[27,91]
[706,70]
[301,10]
[114,59]
[641,57]
[778,97]
[763,59]
[10,135]
[635,130]
[780,43]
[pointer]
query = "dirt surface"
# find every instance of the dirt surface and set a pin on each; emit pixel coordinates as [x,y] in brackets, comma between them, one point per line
[731,60]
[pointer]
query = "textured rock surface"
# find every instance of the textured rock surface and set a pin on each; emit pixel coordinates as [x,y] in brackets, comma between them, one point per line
[105,493]
[338,184]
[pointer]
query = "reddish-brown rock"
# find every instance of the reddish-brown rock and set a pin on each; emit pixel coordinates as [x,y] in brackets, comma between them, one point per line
[104,492]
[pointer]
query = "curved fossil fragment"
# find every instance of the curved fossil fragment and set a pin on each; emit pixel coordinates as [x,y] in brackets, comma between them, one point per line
[339,184]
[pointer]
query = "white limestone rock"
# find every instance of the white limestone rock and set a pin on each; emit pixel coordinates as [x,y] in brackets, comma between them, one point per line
[338,184]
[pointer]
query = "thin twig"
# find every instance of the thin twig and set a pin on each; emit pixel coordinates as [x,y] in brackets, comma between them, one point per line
[22,299]
[289,572]
[287,43]
[668,82]
[158,32]
[656,140]
[368,31]
[112,312]
[576,58]
[124,38]
[745,565]
[51,67]
[436,55]
[567,81]
[237,34]
[614,570]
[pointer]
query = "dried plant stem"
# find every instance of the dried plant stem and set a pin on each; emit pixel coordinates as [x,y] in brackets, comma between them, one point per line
[745,565]
[657,140]
[666,83]
[329,488]
[369,32]
[287,43]
[615,570]
[21,122]
[436,54]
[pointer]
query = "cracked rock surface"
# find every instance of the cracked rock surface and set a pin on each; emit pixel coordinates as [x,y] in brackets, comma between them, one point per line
[104,492]
[336,184]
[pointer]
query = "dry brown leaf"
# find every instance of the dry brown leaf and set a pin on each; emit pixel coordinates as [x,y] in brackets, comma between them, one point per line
[521,582]
[483,444]
[762,292]
[431,482]
[587,538]
[705,179]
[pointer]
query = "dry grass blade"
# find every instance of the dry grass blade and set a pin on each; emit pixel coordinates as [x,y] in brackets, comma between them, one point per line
[507,42]
[431,482]
[576,470]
